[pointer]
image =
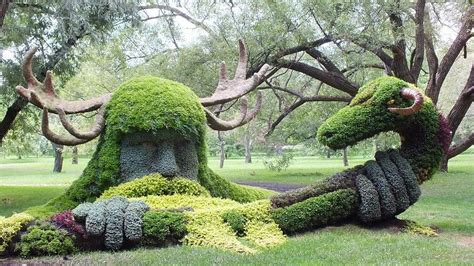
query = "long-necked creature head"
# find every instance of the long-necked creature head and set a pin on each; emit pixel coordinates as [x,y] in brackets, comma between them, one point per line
[390,104]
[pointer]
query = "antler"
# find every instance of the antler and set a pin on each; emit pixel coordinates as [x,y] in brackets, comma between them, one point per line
[43,94]
[228,90]
[409,94]
[218,124]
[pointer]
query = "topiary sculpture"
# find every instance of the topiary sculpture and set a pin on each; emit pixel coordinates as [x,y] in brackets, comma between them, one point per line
[384,187]
[148,125]
[155,126]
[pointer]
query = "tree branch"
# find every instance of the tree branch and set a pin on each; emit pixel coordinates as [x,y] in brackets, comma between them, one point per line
[462,104]
[301,101]
[419,40]
[180,13]
[3,10]
[463,145]
[453,52]
[334,80]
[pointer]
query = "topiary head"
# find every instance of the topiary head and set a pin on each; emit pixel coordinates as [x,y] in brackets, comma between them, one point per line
[383,104]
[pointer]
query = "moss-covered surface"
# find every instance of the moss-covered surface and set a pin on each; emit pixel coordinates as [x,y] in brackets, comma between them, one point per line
[367,115]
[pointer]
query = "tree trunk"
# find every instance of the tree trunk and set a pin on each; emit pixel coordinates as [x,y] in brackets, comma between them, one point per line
[10,116]
[248,146]
[58,158]
[344,157]
[444,163]
[75,155]
[222,146]
[328,154]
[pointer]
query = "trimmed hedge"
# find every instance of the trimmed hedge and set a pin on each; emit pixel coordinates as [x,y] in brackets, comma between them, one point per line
[155,184]
[45,239]
[236,220]
[405,170]
[376,175]
[395,180]
[369,206]
[161,228]
[315,212]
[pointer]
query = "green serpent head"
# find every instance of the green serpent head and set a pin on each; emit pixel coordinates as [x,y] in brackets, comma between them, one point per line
[383,104]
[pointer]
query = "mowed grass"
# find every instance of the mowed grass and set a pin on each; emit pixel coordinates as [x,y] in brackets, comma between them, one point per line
[447,203]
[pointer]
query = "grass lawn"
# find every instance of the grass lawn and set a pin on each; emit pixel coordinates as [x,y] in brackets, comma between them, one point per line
[446,203]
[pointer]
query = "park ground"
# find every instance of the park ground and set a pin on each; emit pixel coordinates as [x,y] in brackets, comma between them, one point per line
[446,204]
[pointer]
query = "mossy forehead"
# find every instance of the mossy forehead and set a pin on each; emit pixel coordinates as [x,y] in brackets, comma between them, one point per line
[152,103]
[380,90]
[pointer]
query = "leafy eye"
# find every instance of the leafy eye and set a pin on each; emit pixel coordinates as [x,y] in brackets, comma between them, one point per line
[391,102]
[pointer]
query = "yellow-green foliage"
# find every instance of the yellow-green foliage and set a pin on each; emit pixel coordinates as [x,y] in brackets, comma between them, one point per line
[206,226]
[156,184]
[419,229]
[10,226]
[264,235]
[198,203]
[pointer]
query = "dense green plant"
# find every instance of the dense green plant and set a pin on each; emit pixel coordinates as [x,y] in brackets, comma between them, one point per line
[133,220]
[315,212]
[95,219]
[236,220]
[387,201]
[45,239]
[9,228]
[369,205]
[155,184]
[395,180]
[114,219]
[405,170]
[161,228]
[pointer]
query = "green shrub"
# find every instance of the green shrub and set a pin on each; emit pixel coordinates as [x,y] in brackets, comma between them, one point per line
[395,180]
[236,220]
[369,205]
[45,239]
[114,219]
[405,170]
[315,212]
[9,228]
[376,175]
[95,220]
[160,228]
[155,184]
[133,220]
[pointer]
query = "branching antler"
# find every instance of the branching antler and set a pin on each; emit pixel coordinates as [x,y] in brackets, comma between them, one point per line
[44,96]
[228,90]
[218,124]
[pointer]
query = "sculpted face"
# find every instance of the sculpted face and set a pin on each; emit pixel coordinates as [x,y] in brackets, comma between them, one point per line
[165,152]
